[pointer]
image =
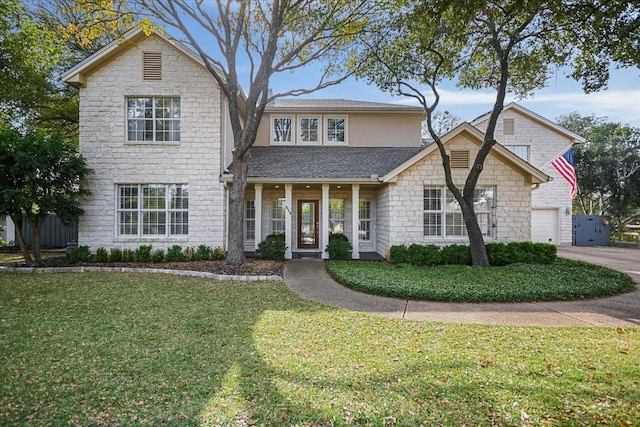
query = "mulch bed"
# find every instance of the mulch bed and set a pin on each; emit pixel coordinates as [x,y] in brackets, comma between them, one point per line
[253,267]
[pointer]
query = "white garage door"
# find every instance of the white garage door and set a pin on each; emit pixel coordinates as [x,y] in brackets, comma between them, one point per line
[544,226]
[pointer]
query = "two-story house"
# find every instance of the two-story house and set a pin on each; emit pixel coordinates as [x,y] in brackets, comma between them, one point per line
[154,127]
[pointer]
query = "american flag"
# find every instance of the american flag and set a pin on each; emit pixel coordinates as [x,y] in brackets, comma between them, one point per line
[564,165]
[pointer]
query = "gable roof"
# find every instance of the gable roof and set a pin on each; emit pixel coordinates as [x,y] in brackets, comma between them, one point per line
[77,75]
[309,164]
[339,105]
[533,174]
[574,137]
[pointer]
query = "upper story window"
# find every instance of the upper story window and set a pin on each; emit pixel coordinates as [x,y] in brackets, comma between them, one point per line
[282,130]
[521,150]
[153,119]
[309,130]
[336,130]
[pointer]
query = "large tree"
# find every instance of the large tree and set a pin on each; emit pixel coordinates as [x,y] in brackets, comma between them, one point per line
[39,174]
[607,166]
[267,38]
[507,45]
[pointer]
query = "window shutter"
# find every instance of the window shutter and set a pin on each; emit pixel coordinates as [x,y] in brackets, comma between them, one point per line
[152,66]
[508,127]
[459,159]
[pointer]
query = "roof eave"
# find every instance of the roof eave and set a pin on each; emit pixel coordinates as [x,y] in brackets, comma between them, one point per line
[374,179]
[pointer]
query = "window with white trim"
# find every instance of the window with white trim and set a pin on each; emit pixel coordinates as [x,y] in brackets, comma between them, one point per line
[309,130]
[250,220]
[443,217]
[336,215]
[152,210]
[277,216]
[364,228]
[336,129]
[282,129]
[153,119]
[521,151]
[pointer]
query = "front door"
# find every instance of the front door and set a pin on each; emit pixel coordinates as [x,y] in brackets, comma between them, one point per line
[307,224]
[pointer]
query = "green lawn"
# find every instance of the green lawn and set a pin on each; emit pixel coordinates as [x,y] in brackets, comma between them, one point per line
[143,349]
[563,280]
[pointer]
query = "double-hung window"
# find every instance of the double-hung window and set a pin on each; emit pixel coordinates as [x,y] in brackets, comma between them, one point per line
[365,220]
[309,130]
[336,215]
[336,130]
[521,150]
[277,216]
[153,119]
[152,210]
[443,217]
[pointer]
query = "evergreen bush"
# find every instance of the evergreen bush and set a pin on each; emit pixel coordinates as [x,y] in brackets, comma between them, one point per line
[273,247]
[339,247]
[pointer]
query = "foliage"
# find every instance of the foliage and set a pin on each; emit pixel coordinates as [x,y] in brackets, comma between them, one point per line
[221,354]
[189,254]
[399,254]
[217,254]
[607,166]
[128,255]
[143,253]
[456,254]
[157,256]
[273,247]
[102,255]
[175,254]
[562,280]
[339,247]
[115,255]
[40,174]
[203,253]
[79,254]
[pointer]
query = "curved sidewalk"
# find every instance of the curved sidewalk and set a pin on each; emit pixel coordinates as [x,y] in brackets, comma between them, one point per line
[309,279]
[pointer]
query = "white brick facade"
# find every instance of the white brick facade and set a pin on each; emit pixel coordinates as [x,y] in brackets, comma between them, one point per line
[194,160]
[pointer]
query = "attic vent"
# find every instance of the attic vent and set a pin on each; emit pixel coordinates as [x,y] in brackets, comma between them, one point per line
[508,127]
[459,159]
[151,66]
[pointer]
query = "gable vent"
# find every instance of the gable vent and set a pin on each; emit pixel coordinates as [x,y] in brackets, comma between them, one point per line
[508,127]
[151,66]
[459,159]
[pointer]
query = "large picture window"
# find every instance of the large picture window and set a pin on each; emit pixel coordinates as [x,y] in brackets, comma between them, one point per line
[277,216]
[152,210]
[153,119]
[443,217]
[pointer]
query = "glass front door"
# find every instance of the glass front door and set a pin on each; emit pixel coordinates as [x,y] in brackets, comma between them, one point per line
[308,224]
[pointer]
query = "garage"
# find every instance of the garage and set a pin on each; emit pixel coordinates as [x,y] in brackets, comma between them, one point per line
[545,226]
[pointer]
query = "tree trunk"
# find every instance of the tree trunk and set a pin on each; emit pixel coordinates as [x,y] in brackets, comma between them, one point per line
[36,240]
[235,251]
[479,257]
[20,238]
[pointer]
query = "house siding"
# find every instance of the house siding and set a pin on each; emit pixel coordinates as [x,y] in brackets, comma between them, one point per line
[545,145]
[195,160]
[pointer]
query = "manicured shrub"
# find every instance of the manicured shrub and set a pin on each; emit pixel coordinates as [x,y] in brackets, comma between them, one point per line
[456,254]
[546,253]
[433,255]
[339,247]
[128,255]
[79,254]
[498,254]
[157,255]
[143,253]
[398,254]
[217,254]
[102,255]
[175,254]
[416,254]
[273,247]
[203,253]
[115,255]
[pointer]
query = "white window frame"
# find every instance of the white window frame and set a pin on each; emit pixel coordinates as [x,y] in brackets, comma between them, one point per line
[278,222]
[337,216]
[151,118]
[250,221]
[449,223]
[365,230]
[319,134]
[175,217]
[292,132]
[327,139]
[517,150]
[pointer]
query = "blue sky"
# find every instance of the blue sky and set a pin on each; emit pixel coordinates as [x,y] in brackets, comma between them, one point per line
[619,103]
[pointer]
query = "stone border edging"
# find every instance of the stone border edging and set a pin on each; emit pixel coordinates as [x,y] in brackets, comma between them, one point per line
[190,273]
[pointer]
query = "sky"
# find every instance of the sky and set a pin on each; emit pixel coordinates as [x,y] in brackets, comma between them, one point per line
[620,102]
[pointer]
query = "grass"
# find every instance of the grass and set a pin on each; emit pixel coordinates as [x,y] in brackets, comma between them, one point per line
[142,349]
[563,280]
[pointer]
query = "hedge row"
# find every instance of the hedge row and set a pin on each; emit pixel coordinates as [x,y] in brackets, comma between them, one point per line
[500,254]
[145,253]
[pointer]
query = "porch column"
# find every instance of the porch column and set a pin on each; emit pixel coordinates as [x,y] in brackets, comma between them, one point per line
[324,223]
[258,214]
[355,221]
[288,205]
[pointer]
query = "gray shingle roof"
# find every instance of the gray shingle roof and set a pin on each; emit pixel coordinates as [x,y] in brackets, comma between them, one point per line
[290,104]
[325,162]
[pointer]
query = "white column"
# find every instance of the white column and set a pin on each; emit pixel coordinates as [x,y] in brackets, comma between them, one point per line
[355,221]
[288,203]
[258,205]
[324,223]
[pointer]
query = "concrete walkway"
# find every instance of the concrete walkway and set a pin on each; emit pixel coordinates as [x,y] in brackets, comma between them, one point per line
[309,279]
